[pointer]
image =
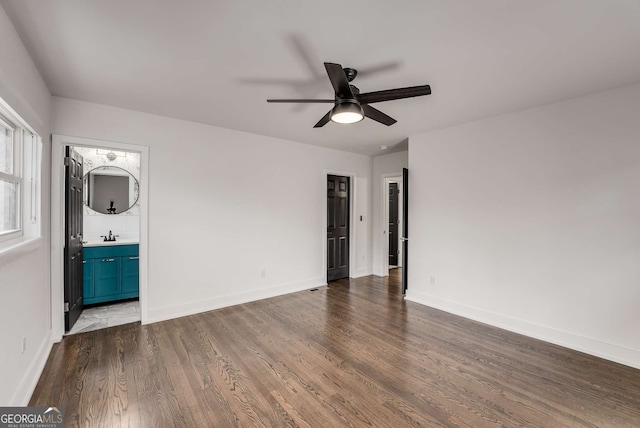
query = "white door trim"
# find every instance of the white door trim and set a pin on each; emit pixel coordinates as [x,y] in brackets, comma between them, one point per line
[58,143]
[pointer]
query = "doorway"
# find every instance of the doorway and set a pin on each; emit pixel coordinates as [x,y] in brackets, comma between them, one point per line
[110,229]
[338,227]
[109,149]
[394,225]
[393,211]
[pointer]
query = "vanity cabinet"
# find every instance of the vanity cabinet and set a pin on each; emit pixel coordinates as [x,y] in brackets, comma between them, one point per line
[110,273]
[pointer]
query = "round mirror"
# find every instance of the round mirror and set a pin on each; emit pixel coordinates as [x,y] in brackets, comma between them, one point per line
[110,190]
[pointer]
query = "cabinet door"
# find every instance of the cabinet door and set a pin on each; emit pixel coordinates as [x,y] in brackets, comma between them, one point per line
[130,274]
[107,276]
[87,279]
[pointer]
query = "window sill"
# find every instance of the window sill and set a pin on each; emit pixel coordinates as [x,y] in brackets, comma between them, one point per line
[17,247]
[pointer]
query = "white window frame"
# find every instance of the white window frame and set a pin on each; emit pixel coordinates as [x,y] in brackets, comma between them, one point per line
[27,170]
[14,177]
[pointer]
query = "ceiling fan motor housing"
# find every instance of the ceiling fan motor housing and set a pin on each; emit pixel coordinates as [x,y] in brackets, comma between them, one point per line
[351,73]
[350,105]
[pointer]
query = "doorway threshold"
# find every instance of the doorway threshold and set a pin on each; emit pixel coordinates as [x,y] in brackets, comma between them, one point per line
[104,316]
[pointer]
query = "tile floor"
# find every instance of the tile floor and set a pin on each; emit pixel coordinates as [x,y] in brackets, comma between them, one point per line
[107,316]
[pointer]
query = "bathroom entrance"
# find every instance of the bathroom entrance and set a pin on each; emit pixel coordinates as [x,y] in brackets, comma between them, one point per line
[109,227]
[106,285]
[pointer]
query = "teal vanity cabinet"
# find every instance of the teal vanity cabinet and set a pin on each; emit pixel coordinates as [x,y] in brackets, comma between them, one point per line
[130,274]
[87,277]
[110,273]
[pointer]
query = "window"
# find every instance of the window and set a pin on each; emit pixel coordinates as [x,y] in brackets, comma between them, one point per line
[20,151]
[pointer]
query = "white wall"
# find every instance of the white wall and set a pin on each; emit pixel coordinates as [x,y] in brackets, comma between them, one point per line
[225,205]
[363,226]
[383,166]
[531,221]
[24,277]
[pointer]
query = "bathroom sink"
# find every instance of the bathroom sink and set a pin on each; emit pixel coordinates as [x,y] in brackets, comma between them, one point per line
[100,242]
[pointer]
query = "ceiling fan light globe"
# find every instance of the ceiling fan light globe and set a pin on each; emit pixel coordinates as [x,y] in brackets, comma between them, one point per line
[347,112]
[346,117]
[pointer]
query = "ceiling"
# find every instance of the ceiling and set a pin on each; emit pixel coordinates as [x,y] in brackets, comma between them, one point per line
[217,62]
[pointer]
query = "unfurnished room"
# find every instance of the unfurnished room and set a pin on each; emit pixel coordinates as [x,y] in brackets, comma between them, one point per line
[319,214]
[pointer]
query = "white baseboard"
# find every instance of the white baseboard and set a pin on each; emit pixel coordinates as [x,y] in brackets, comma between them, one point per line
[30,379]
[627,356]
[362,272]
[380,271]
[199,306]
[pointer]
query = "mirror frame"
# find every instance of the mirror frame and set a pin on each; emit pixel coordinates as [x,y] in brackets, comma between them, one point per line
[136,187]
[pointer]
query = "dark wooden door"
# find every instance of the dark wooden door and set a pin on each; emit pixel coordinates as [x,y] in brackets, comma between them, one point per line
[73,238]
[405,227]
[337,227]
[393,224]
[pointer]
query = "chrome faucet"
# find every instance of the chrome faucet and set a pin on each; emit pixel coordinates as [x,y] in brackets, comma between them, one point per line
[110,237]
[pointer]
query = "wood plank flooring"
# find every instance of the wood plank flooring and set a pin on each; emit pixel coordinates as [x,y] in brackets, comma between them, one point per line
[351,354]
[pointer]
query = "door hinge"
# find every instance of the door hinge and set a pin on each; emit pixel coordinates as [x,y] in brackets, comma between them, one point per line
[66,306]
[67,161]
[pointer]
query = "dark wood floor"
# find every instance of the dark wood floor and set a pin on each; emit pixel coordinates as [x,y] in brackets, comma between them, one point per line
[352,354]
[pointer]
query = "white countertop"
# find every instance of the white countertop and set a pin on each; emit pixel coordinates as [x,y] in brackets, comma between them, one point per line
[101,243]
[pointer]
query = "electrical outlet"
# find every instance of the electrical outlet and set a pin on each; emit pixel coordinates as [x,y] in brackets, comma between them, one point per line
[433,280]
[263,273]
[24,344]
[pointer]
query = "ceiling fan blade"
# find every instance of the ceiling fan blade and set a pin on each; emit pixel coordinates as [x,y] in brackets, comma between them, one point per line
[325,119]
[377,115]
[303,49]
[300,101]
[267,81]
[365,72]
[338,80]
[394,94]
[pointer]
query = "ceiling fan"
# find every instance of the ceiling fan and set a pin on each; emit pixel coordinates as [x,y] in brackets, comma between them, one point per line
[350,106]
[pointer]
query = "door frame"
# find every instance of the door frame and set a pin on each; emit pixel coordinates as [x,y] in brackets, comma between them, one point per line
[384,248]
[58,143]
[352,220]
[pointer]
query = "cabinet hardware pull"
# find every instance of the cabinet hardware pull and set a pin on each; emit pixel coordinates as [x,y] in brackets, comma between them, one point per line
[134,258]
[108,260]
